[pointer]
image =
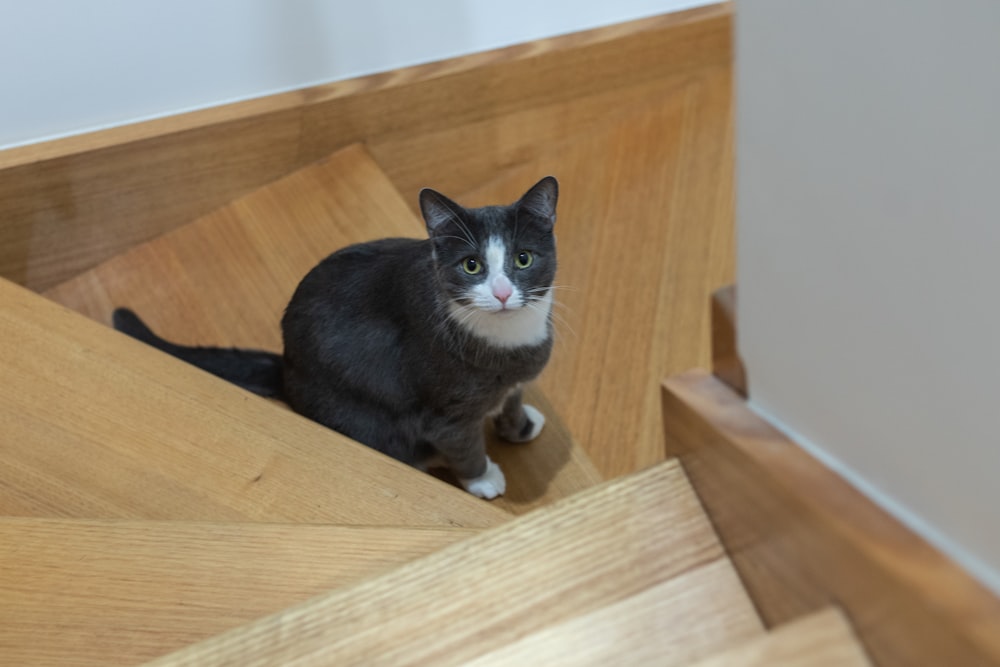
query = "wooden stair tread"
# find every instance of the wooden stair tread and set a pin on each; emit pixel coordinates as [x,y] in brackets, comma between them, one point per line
[567,560]
[94,424]
[79,592]
[645,236]
[225,279]
[822,639]
[695,614]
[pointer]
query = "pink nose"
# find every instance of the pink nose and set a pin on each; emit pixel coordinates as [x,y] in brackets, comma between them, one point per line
[502,289]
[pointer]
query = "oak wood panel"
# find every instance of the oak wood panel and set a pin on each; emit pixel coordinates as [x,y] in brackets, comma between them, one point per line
[78,592]
[560,562]
[94,424]
[64,215]
[645,234]
[801,537]
[642,51]
[823,639]
[72,203]
[454,154]
[226,278]
[695,614]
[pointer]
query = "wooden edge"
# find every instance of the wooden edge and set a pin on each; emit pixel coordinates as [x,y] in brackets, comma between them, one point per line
[477,595]
[801,537]
[260,106]
[695,614]
[822,639]
[726,362]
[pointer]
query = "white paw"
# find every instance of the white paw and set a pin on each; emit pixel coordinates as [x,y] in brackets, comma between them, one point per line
[537,419]
[489,485]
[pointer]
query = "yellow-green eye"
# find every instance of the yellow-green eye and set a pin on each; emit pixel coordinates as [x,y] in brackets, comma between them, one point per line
[471,266]
[523,259]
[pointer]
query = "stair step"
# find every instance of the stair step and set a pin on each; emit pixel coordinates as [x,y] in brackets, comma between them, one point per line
[79,592]
[590,552]
[226,278]
[822,639]
[671,623]
[94,424]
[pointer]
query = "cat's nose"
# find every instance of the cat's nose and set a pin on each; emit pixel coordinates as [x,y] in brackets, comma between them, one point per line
[502,289]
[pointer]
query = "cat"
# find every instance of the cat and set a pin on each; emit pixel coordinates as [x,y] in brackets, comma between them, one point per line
[408,345]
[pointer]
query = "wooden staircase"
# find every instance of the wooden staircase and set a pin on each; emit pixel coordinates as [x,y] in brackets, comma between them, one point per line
[149,511]
[152,511]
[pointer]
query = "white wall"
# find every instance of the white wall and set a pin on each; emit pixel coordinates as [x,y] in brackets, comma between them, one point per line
[869,248]
[68,66]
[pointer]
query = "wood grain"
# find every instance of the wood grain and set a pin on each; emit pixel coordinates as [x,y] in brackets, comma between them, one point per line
[560,562]
[726,362]
[823,639]
[645,235]
[226,279]
[94,424]
[682,619]
[802,538]
[77,592]
[69,204]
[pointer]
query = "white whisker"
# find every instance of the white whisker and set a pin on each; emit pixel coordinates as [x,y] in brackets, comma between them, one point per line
[553,288]
[557,318]
[466,241]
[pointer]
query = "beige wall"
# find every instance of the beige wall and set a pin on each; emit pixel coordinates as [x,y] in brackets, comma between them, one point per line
[869,248]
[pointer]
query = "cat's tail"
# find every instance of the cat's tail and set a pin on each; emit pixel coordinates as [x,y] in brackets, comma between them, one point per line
[254,370]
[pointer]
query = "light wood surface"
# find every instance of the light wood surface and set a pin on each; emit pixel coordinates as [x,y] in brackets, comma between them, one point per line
[78,592]
[645,235]
[682,619]
[226,278]
[802,538]
[560,562]
[94,424]
[69,204]
[823,639]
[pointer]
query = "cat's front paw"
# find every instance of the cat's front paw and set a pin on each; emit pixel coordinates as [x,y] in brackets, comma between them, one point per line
[523,428]
[489,485]
[536,419]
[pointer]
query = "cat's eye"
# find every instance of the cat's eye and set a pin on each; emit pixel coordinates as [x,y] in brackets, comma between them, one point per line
[471,266]
[523,259]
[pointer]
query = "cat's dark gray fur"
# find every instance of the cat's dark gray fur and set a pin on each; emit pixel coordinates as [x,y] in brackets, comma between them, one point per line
[372,351]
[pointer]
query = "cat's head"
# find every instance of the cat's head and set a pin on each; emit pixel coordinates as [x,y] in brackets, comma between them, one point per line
[496,264]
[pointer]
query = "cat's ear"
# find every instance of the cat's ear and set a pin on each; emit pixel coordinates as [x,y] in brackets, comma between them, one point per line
[541,199]
[437,209]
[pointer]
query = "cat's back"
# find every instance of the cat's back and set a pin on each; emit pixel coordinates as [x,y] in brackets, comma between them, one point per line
[366,288]
[362,272]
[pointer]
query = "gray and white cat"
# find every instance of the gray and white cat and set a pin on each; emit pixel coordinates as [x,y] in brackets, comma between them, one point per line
[409,345]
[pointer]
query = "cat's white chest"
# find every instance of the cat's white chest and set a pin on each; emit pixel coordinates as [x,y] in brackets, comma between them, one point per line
[525,326]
